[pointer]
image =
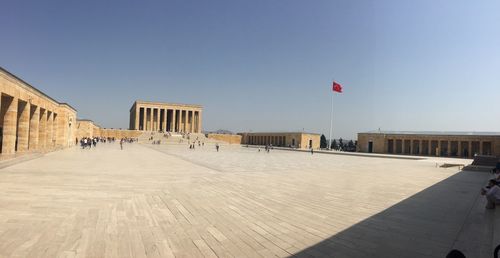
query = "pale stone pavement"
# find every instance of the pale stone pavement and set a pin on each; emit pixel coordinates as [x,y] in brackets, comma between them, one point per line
[169,201]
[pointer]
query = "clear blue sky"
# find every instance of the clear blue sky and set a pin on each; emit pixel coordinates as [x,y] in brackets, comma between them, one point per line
[266,65]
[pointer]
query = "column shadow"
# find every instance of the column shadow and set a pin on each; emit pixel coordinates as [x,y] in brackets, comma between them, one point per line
[449,214]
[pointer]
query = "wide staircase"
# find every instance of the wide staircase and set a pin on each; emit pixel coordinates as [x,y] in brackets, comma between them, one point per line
[176,138]
[483,163]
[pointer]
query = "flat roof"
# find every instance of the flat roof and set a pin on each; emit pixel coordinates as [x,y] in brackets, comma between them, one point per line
[164,103]
[436,133]
[279,133]
[35,89]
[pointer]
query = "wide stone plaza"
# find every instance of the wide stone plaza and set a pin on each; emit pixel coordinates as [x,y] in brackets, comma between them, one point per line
[170,201]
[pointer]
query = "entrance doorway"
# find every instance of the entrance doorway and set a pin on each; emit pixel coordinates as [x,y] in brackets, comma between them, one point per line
[370,147]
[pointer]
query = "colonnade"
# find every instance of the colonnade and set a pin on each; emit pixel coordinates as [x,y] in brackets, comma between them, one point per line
[266,140]
[25,126]
[30,120]
[439,147]
[166,119]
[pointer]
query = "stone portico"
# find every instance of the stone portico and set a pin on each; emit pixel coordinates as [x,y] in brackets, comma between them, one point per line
[165,117]
[30,120]
[444,144]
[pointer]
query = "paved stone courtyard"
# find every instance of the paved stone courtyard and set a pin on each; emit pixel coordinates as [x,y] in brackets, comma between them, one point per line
[169,201]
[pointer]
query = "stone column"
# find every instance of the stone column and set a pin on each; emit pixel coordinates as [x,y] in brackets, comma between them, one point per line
[165,116]
[470,149]
[55,127]
[173,127]
[459,152]
[10,126]
[23,126]
[449,149]
[191,121]
[420,147]
[137,117]
[481,147]
[439,148]
[429,147]
[144,113]
[183,121]
[403,146]
[34,129]
[199,122]
[151,119]
[411,147]
[394,146]
[49,130]
[42,129]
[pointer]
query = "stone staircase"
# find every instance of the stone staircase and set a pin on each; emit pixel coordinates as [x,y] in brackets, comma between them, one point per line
[483,163]
[176,138]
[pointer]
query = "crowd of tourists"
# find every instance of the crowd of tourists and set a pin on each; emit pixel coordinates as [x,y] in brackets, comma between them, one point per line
[492,190]
[89,142]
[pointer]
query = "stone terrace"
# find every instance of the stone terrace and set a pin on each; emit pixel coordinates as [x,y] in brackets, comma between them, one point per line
[169,201]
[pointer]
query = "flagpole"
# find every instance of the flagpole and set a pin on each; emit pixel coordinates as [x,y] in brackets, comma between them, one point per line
[331,125]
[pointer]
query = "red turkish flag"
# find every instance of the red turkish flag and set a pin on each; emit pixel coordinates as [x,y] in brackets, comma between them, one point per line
[337,87]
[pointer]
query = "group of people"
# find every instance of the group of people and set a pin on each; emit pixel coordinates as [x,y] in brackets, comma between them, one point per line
[88,142]
[492,190]
[92,141]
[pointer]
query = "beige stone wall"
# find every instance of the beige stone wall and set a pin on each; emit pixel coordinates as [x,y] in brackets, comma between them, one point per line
[229,138]
[30,120]
[87,128]
[430,144]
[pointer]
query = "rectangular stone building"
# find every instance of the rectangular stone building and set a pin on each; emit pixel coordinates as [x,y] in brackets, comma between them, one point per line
[30,120]
[165,117]
[445,144]
[295,139]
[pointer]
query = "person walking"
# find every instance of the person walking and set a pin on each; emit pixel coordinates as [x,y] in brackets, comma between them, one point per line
[121,144]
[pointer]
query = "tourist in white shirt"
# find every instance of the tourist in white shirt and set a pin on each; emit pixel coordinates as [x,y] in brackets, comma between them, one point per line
[492,194]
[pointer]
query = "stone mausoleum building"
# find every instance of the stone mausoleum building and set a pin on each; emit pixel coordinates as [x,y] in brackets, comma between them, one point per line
[30,120]
[165,117]
[282,139]
[445,144]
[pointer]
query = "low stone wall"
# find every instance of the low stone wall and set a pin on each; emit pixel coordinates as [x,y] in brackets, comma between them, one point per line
[87,128]
[118,134]
[229,138]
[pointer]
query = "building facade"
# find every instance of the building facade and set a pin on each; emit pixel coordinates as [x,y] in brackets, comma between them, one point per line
[30,120]
[87,128]
[165,117]
[444,144]
[294,140]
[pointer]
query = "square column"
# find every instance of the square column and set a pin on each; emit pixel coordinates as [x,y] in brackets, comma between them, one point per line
[150,119]
[199,122]
[449,148]
[23,116]
[421,147]
[183,121]
[481,143]
[173,127]
[137,117]
[460,152]
[144,114]
[9,125]
[48,139]
[34,129]
[190,121]
[55,129]
[42,129]
[165,115]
